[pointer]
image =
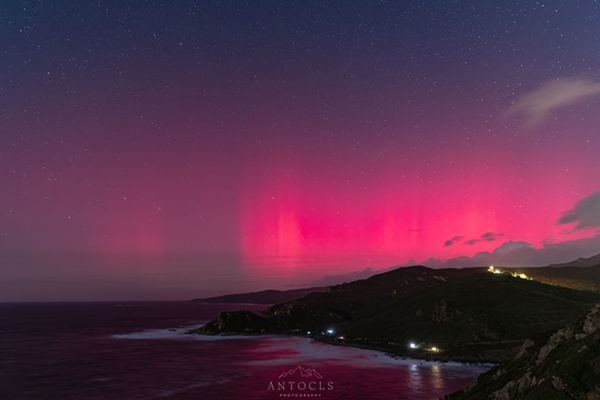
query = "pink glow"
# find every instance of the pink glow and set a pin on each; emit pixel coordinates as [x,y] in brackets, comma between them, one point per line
[397,216]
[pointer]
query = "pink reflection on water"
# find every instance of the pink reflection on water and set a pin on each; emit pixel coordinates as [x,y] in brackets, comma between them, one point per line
[355,373]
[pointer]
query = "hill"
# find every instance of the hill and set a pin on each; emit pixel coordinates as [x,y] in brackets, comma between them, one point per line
[578,274]
[263,297]
[564,365]
[581,262]
[458,314]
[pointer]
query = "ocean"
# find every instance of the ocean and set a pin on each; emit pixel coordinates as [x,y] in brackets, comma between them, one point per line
[141,350]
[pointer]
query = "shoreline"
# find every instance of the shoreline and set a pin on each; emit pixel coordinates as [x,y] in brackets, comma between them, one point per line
[402,356]
[382,350]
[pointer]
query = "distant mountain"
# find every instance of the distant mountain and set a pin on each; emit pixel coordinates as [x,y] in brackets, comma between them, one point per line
[580,262]
[330,280]
[563,365]
[581,274]
[460,314]
[264,296]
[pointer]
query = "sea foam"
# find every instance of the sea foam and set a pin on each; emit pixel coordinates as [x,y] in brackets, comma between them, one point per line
[179,333]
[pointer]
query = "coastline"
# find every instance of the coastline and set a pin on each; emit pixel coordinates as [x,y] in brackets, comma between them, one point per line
[370,347]
[404,356]
[388,350]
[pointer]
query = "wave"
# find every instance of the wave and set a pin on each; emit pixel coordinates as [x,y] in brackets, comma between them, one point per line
[179,333]
[183,389]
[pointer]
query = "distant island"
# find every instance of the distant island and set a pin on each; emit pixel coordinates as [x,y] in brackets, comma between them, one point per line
[263,296]
[488,314]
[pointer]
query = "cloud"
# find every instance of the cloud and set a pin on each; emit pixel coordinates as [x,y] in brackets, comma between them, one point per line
[491,236]
[586,213]
[537,105]
[523,254]
[453,241]
[507,247]
[485,237]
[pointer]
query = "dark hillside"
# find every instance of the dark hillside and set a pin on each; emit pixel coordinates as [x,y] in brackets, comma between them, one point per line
[462,314]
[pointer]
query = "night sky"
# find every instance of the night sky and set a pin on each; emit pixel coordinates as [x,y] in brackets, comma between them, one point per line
[166,150]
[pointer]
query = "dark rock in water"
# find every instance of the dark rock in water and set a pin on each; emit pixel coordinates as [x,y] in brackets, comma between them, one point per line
[563,365]
[237,322]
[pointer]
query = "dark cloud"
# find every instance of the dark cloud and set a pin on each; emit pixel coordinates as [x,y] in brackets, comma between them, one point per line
[485,237]
[491,236]
[523,254]
[586,213]
[507,247]
[453,241]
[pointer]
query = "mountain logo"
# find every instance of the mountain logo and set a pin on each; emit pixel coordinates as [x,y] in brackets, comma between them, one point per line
[302,372]
[300,381]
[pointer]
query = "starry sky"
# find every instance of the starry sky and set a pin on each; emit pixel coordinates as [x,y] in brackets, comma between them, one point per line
[167,150]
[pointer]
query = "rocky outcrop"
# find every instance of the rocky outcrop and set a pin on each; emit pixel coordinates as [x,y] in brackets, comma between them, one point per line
[241,322]
[564,365]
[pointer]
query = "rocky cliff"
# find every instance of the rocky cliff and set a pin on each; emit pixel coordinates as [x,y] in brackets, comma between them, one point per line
[563,365]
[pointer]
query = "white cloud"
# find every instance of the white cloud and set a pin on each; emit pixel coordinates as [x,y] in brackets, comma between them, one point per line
[537,105]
